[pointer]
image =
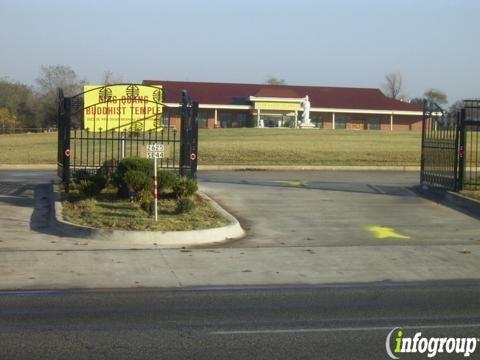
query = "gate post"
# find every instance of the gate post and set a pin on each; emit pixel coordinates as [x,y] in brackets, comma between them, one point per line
[184,116]
[188,137]
[194,141]
[461,150]
[67,118]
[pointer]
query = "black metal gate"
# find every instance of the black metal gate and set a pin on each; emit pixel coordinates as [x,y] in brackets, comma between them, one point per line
[469,145]
[85,150]
[450,152]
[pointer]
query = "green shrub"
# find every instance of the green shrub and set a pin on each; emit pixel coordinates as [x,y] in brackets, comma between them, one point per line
[108,169]
[137,182]
[81,174]
[184,187]
[92,186]
[184,205]
[129,164]
[166,179]
[145,198]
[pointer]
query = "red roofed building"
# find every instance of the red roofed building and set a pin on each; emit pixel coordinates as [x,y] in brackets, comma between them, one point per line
[258,105]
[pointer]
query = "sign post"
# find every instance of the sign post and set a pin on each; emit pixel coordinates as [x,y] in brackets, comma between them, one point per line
[155,151]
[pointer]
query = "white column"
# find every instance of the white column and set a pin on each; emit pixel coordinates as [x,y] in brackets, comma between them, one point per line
[216,119]
[333,120]
[258,118]
[391,122]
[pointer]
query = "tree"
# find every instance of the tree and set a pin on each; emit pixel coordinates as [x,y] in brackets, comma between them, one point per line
[21,103]
[109,78]
[417,101]
[436,96]
[272,80]
[457,106]
[393,86]
[53,77]
[7,120]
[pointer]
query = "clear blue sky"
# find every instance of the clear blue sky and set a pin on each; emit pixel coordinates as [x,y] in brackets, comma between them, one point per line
[433,43]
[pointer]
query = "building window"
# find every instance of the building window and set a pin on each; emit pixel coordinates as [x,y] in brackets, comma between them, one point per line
[317,121]
[374,124]
[241,120]
[202,119]
[225,119]
[340,122]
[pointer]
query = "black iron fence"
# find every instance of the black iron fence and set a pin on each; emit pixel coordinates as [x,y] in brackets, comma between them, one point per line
[440,138]
[450,147]
[107,139]
[469,145]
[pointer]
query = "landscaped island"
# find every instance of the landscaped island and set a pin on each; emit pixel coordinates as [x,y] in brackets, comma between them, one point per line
[123,200]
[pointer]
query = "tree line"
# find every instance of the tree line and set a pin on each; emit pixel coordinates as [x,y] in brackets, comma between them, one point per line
[34,108]
[28,108]
[393,88]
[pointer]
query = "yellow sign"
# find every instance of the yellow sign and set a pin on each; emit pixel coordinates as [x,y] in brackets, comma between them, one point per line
[122,107]
[274,105]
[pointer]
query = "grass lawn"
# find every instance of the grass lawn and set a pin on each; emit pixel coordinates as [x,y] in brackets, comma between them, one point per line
[258,147]
[308,147]
[109,212]
[474,194]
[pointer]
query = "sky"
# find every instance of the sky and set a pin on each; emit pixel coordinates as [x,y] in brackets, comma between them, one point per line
[352,43]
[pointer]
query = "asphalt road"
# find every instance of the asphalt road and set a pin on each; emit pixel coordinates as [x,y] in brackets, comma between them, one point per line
[323,322]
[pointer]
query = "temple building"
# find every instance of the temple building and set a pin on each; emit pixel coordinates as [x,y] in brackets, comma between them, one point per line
[229,105]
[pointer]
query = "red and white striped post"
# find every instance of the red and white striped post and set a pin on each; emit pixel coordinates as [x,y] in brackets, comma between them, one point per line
[155,187]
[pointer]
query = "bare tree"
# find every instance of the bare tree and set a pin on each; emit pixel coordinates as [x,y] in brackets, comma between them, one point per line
[393,86]
[109,78]
[51,78]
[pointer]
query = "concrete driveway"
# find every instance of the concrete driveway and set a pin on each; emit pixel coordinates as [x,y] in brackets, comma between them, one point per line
[302,228]
[336,208]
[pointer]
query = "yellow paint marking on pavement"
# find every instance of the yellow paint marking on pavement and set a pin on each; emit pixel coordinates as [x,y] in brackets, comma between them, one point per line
[383,232]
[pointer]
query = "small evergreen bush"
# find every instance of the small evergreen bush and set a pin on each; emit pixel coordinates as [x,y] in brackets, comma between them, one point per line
[184,187]
[184,205]
[145,198]
[92,186]
[137,182]
[129,164]
[166,179]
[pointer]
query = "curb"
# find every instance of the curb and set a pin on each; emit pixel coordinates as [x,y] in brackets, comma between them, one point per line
[451,199]
[248,167]
[170,239]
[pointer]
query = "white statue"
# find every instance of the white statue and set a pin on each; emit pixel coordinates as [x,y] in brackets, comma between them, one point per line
[306,111]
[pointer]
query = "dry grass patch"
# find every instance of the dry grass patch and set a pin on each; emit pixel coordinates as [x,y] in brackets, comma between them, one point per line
[109,212]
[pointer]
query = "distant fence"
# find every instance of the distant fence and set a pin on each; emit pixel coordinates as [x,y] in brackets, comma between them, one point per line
[25,130]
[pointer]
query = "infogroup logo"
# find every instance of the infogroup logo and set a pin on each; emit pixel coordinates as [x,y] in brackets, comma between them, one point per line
[429,346]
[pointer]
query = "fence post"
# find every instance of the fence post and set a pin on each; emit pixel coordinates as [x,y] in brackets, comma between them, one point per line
[422,154]
[461,150]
